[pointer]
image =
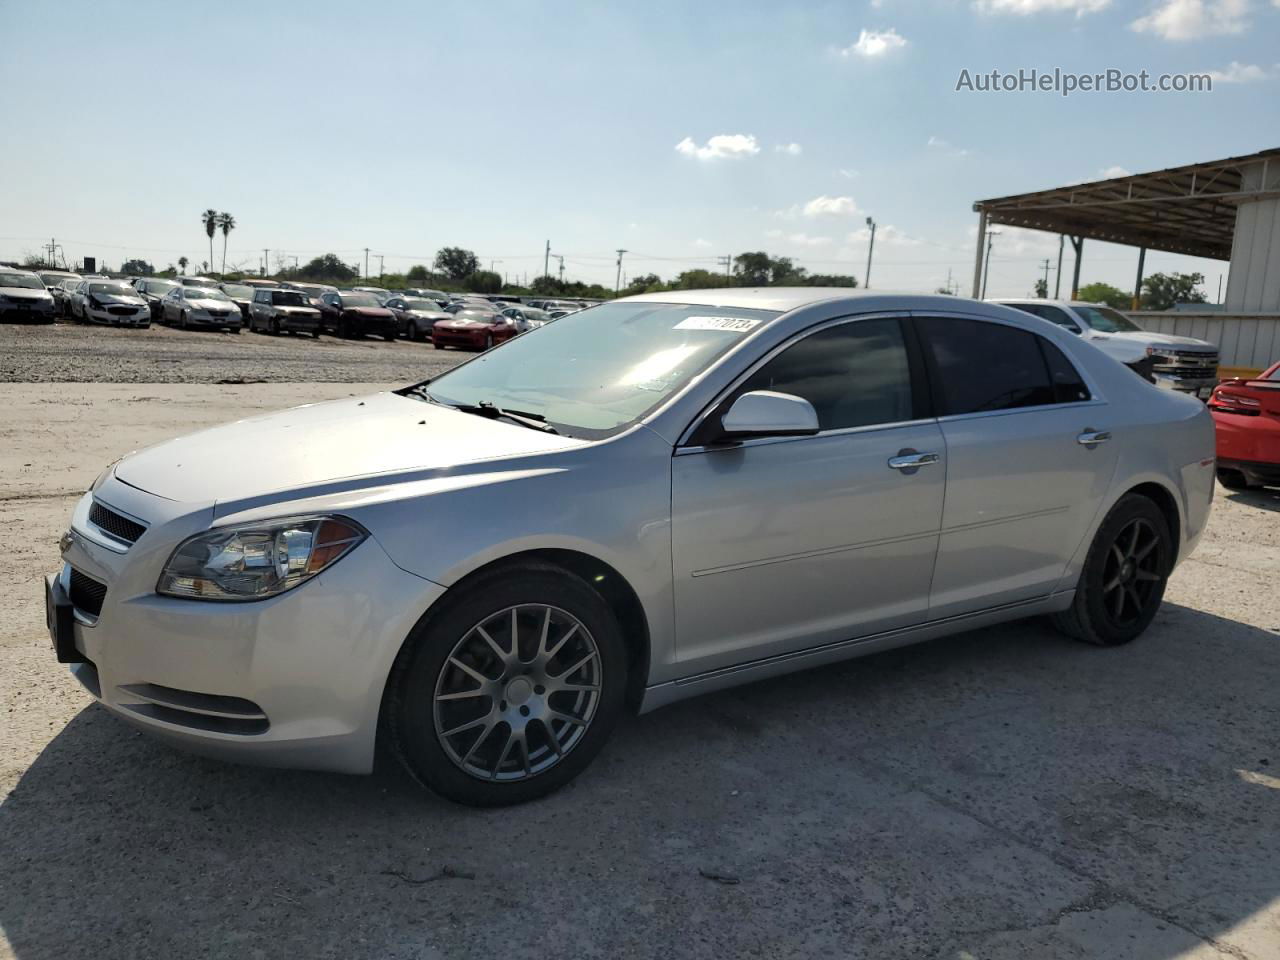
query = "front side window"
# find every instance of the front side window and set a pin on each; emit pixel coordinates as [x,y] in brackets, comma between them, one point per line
[1105,319]
[982,367]
[855,374]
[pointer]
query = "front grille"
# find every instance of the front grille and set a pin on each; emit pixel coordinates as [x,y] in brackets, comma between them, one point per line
[120,527]
[1187,363]
[122,311]
[87,593]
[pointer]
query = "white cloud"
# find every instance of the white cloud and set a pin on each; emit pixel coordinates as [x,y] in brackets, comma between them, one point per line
[825,206]
[804,240]
[790,149]
[1192,19]
[704,244]
[1026,7]
[875,43]
[720,146]
[1110,173]
[886,233]
[773,233]
[849,173]
[1240,72]
[946,146]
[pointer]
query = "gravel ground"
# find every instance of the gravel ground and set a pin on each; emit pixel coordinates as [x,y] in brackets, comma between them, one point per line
[71,353]
[1003,794]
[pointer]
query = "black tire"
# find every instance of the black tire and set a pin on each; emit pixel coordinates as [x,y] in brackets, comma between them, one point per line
[275,326]
[409,709]
[1234,479]
[1124,576]
[416,333]
[438,346]
[237,329]
[315,334]
[182,320]
[390,336]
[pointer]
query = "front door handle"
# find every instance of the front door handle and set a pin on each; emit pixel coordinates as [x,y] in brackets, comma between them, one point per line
[1091,437]
[909,461]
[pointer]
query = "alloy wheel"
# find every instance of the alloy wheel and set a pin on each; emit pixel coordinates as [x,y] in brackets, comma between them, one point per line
[517,693]
[1132,571]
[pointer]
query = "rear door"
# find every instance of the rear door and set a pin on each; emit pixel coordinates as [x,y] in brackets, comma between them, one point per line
[784,543]
[1030,456]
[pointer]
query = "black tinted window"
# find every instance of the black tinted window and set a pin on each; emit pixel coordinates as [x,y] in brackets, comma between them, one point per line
[1068,386]
[985,366]
[854,374]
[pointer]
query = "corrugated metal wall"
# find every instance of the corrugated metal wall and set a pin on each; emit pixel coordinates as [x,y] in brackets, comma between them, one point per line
[1247,341]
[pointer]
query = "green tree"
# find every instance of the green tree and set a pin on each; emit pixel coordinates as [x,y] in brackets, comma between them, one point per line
[829,280]
[456,263]
[1161,291]
[418,275]
[484,281]
[182,264]
[698,280]
[137,268]
[210,220]
[226,223]
[1105,293]
[1042,288]
[758,269]
[642,284]
[326,269]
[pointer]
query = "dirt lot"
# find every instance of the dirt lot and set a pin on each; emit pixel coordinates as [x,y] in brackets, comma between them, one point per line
[1002,794]
[73,353]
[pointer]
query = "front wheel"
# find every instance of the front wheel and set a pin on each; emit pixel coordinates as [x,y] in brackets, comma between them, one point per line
[1124,576]
[510,691]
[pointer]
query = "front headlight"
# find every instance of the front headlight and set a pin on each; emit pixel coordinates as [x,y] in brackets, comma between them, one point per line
[256,561]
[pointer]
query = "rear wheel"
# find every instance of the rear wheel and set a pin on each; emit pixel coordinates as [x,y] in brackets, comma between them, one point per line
[511,690]
[1233,479]
[182,320]
[488,341]
[275,326]
[1124,576]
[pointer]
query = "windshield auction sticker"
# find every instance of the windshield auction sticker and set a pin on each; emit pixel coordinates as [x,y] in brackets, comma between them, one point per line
[728,324]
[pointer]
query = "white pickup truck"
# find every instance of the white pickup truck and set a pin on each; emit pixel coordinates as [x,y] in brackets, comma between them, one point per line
[1176,363]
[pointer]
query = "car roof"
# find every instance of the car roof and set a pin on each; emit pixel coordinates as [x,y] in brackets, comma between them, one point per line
[1056,303]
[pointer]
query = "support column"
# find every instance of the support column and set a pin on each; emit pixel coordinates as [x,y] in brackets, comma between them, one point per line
[1077,244]
[977,259]
[1137,284]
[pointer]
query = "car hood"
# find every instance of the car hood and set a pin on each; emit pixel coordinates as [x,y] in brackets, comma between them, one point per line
[321,443]
[1144,338]
[203,304]
[370,311]
[431,315]
[117,300]
[306,311]
[25,293]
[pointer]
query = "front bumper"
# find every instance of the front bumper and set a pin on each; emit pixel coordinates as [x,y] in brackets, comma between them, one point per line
[1199,386]
[294,681]
[138,318]
[231,321]
[302,324]
[40,311]
[458,338]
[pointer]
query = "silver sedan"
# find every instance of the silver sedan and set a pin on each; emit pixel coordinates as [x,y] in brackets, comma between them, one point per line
[191,306]
[650,499]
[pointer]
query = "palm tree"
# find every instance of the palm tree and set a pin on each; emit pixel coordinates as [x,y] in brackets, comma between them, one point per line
[182,262]
[226,223]
[210,220]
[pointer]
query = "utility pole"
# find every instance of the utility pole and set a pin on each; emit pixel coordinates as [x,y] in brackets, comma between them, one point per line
[366,263]
[1057,277]
[617,283]
[380,267]
[870,247]
[266,260]
[546,261]
[1046,276]
[561,259]
[726,262]
[986,267]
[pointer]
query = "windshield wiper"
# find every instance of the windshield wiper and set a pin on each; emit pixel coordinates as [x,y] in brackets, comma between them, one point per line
[484,408]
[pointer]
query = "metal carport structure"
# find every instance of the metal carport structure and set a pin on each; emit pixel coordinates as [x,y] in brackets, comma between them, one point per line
[1190,209]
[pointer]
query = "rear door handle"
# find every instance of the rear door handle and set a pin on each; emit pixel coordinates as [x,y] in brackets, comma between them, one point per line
[910,461]
[1091,437]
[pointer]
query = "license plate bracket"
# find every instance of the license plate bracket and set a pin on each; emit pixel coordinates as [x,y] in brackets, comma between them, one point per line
[61,620]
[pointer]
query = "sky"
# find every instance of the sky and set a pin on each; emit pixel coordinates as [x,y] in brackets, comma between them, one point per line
[681,132]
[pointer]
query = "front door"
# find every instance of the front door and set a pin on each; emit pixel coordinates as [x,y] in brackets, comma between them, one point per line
[780,544]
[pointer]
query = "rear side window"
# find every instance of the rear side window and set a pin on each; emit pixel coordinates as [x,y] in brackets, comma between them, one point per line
[1068,385]
[982,367]
[855,374]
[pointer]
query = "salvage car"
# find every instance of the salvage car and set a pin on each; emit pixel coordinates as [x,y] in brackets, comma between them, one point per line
[527,318]
[416,316]
[154,290]
[113,302]
[200,306]
[23,297]
[241,295]
[351,314]
[1247,414]
[278,311]
[473,330]
[1176,363]
[731,484]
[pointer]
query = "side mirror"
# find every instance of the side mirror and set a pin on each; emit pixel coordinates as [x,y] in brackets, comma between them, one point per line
[764,413]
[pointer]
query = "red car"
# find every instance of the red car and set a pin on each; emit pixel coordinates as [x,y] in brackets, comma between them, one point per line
[1247,413]
[473,329]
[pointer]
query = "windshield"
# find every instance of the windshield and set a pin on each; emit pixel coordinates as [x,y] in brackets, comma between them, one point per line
[1106,320]
[289,298]
[205,293]
[422,305]
[20,280]
[117,289]
[360,300]
[236,290]
[597,371]
[159,287]
[52,279]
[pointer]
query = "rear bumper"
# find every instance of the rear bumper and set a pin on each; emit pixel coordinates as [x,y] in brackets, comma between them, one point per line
[1254,471]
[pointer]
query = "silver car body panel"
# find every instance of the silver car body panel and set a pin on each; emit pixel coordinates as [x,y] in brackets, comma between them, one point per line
[770,556]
